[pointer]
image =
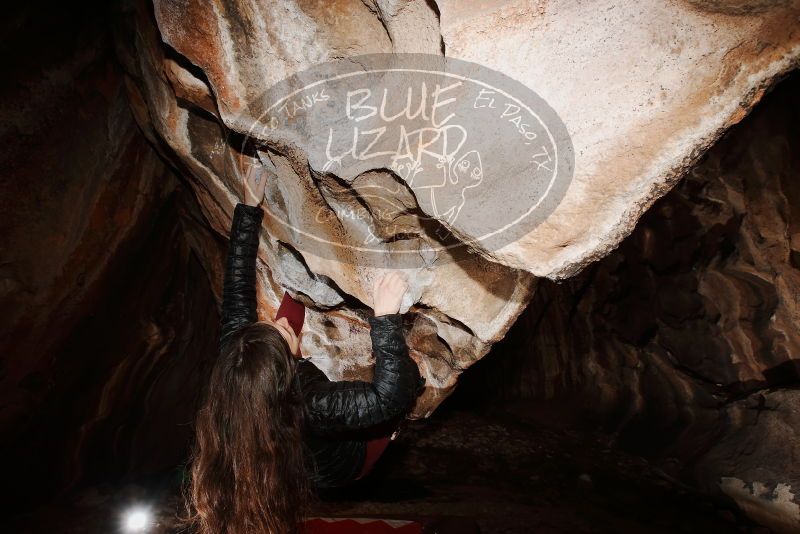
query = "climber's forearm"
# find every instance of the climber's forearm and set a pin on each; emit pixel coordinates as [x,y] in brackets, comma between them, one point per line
[396,378]
[353,405]
[239,283]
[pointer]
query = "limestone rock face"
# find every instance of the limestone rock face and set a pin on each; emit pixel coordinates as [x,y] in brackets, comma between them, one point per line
[642,87]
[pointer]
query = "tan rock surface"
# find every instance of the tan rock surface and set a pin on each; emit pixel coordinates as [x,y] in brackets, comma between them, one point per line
[643,88]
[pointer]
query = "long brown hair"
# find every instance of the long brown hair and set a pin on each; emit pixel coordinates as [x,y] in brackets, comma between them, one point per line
[248,474]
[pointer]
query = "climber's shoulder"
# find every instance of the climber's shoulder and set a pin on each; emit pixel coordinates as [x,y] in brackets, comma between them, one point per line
[308,373]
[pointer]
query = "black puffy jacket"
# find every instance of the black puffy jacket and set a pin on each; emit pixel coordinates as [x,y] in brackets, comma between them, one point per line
[339,416]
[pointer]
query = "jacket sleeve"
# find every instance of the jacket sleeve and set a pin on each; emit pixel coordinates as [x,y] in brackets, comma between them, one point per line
[335,407]
[239,284]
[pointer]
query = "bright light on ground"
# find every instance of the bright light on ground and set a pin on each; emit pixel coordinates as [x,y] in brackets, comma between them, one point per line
[137,520]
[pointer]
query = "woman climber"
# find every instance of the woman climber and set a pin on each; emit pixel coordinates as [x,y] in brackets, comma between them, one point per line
[272,426]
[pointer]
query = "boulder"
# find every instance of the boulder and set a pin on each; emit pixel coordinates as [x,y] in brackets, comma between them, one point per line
[642,88]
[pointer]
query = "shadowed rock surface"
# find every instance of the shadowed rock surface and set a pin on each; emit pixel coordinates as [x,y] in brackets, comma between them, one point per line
[109,323]
[683,342]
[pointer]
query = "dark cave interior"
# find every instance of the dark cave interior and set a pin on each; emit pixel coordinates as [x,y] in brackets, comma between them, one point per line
[614,403]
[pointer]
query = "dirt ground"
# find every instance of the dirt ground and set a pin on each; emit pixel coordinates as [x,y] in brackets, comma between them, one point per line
[501,469]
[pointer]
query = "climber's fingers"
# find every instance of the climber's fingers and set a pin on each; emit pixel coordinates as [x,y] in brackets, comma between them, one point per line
[388,291]
[391,280]
[395,281]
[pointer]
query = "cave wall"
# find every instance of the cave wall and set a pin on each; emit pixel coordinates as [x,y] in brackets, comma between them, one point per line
[651,86]
[683,342]
[108,317]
